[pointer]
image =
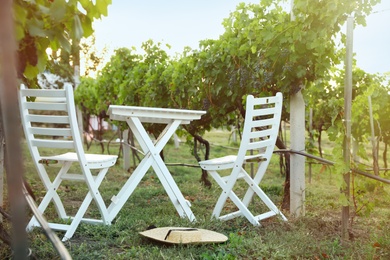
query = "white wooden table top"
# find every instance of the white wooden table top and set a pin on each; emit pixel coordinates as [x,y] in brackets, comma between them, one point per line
[153,114]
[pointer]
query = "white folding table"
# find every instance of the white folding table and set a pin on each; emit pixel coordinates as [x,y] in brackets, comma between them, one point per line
[135,117]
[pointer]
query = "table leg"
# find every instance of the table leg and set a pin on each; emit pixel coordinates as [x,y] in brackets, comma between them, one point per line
[120,199]
[182,206]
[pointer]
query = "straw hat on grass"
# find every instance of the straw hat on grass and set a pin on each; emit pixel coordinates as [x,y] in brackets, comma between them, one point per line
[182,235]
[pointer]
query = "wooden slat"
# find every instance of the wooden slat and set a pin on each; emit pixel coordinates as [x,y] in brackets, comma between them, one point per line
[264,111]
[262,133]
[50,131]
[46,106]
[263,122]
[268,100]
[259,144]
[53,143]
[48,119]
[43,93]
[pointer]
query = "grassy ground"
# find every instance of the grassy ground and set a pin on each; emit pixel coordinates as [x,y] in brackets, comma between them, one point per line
[315,236]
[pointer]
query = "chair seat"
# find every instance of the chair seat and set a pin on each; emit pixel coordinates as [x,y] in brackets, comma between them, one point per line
[227,162]
[95,161]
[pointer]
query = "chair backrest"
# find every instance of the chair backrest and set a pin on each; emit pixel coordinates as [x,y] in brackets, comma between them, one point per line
[261,127]
[49,121]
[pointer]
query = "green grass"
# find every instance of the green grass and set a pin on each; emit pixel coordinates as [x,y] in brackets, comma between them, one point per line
[314,236]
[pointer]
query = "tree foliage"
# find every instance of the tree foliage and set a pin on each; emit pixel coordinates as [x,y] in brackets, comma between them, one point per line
[51,24]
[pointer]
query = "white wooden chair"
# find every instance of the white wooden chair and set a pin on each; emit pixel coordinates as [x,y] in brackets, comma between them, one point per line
[261,126]
[50,122]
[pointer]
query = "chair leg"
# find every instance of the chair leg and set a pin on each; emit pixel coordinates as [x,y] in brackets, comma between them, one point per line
[51,194]
[92,194]
[243,209]
[227,192]
[254,188]
[77,218]
[98,198]
[56,198]
[244,203]
[222,198]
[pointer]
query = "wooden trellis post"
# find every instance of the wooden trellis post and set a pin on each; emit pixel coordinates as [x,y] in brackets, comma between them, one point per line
[347,122]
[297,142]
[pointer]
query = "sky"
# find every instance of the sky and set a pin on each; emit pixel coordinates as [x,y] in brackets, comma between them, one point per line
[181,23]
